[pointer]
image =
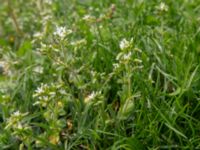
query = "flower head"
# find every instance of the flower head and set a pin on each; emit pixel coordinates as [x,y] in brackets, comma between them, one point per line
[88,18]
[48,2]
[124,44]
[127,56]
[16,114]
[40,90]
[162,7]
[15,120]
[62,32]
[92,96]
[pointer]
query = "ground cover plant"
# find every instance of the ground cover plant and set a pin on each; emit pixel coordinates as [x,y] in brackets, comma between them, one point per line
[99,74]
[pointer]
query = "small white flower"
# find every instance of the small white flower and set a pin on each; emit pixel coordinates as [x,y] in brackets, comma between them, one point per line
[163,7]
[38,35]
[116,66]
[88,18]
[43,101]
[43,47]
[40,90]
[62,32]
[121,57]
[127,56]
[46,19]
[16,114]
[48,2]
[79,42]
[90,97]
[124,44]
[63,92]
[15,120]
[38,69]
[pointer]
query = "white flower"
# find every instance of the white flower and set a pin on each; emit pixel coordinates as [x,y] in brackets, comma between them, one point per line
[38,69]
[163,7]
[62,32]
[79,42]
[15,120]
[90,97]
[116,66]
[124,44]
[38,35]
[43,47]
[45,19]
[43,101]
[48,2]
[88,18]
[16,114]
[40,90]
[127,56]
[121,57]
[63,92]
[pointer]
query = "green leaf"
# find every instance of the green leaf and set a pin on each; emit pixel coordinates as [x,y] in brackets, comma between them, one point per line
[25,47]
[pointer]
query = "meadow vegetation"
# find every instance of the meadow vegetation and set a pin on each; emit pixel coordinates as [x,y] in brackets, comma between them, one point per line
[99,74]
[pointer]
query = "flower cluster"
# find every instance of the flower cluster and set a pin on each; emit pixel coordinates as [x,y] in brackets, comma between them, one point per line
[124,56]
[128,55]
[50,97]
[94,98]
[125,44]
[48,2]
[62,32]
[44,95]
[162,7]
[89,18]
[129,61]
[17,122]
[90,97]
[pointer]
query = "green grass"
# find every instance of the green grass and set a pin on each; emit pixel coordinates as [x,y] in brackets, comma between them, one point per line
[99,74]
